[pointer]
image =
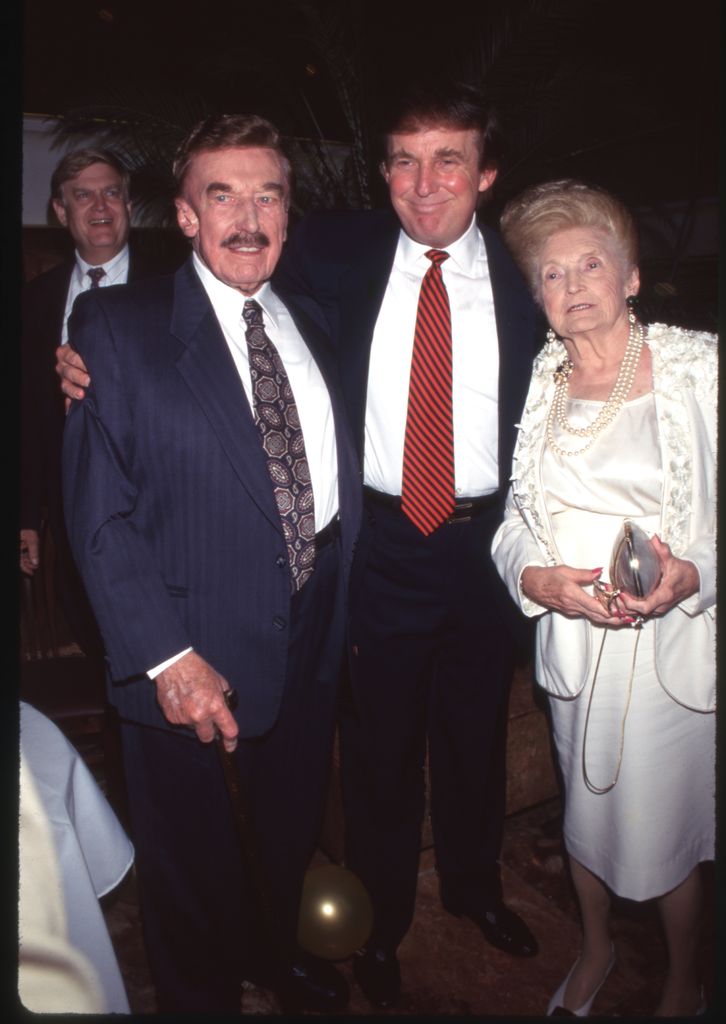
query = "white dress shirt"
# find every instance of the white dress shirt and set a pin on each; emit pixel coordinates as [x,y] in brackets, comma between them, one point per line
[475,366]
[311,394]
[117,272]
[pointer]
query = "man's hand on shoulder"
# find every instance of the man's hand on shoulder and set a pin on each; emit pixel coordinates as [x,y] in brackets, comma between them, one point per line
[71,369]
[190,692]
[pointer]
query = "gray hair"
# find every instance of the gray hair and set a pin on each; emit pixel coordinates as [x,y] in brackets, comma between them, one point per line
[542,210]
[218,131]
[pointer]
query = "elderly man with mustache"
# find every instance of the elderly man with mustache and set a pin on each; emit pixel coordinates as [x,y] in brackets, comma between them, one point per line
[90,196]
[212,498]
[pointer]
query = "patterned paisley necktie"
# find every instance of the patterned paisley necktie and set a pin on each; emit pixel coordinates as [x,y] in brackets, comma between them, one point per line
[282,438]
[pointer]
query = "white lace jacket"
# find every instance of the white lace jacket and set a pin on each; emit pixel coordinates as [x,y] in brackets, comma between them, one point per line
[685,372]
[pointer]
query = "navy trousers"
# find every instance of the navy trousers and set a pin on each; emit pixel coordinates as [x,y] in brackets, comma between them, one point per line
[196,898]
[432,656]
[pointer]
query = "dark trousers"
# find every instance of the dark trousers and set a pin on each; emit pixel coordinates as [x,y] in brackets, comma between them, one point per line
[431,661]
[196,894]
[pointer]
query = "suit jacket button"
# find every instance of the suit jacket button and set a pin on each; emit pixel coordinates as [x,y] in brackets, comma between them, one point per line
[355,650]
[280,561]
[278,622]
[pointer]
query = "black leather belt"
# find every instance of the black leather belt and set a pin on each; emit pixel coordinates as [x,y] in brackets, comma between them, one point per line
[328,533]
[465,510]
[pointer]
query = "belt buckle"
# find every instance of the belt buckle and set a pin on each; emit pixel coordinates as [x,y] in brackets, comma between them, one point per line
[455,518]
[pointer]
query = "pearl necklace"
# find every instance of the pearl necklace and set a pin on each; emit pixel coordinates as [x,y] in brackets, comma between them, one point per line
[611,408]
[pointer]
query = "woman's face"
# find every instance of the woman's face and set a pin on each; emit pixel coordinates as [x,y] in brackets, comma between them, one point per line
[583,282]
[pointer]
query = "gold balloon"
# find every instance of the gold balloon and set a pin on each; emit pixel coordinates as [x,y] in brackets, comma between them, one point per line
[336,915]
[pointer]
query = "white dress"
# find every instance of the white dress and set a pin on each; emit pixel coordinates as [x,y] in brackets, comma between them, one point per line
[643,836]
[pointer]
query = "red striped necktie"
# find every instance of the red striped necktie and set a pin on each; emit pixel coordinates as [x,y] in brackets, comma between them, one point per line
[427,495]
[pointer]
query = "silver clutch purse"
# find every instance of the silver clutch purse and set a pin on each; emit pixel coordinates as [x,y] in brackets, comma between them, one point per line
[635,568]
[634,565]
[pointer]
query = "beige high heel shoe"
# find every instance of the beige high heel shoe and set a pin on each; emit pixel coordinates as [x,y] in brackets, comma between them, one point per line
[555,1007]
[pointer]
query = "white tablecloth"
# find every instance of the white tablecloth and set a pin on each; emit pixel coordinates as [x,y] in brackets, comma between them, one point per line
[93,850]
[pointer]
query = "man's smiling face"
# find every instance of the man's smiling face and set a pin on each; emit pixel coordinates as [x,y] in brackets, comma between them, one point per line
[434,179]
[233,205]
[96,211]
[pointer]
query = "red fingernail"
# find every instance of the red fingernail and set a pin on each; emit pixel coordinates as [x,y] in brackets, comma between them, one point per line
[596,572]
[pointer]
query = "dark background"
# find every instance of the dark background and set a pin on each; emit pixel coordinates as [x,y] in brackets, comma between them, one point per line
[622,94]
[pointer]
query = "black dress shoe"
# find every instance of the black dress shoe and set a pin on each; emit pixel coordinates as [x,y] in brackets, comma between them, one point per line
[311,984]
[502,928]
[378,974]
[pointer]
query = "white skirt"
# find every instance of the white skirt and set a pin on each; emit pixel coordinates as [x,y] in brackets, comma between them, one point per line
[645,835]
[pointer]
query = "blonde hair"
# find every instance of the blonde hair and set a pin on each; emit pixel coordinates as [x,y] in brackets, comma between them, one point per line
[71,164]
[542,210]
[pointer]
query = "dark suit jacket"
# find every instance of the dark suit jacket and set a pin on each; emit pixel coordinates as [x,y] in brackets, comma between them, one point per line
[342,262]
[42,407]
[168,500]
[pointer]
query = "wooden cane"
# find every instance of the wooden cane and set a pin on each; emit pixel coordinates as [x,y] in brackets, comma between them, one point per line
[248,847]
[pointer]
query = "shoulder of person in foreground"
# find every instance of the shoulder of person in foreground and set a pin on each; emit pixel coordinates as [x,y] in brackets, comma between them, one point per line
[131,309]
[124,309]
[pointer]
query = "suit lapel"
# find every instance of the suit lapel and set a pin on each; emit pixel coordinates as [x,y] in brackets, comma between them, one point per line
[514,320]
[133,273]
[361,296]
[208,369]
[57,296]
[348,473]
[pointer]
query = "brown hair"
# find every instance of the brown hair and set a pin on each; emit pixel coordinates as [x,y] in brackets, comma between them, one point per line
[71,165]
[218,131]
[542,210]
[449,104]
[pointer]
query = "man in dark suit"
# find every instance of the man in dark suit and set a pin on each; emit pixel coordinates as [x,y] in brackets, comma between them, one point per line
[431,648]
[90,197]
[212,500]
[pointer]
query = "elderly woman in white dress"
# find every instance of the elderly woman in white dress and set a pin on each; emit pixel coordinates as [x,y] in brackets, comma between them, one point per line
[619,424]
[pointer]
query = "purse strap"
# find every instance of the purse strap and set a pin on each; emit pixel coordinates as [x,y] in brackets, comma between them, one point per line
[588,782]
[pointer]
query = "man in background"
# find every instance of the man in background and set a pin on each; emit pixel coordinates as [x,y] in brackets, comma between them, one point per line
[90,197]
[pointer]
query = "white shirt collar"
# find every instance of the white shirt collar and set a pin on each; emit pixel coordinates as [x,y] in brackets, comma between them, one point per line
[464,252]
[110,266]
[228,302]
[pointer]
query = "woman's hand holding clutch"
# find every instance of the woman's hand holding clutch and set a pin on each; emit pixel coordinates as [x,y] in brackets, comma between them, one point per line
[561,588]
[679,580]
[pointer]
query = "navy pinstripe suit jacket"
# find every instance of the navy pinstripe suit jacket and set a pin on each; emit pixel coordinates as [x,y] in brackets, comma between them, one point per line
[168,501]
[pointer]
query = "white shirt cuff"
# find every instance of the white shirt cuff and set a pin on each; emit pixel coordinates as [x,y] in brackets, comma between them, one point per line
[154,672]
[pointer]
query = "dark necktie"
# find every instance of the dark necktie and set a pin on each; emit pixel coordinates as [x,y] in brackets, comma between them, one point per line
[282,438]
[427,495]
[95,274]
